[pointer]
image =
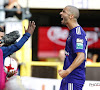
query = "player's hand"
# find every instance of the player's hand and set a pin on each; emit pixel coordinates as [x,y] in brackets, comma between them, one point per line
[10,74]
[63,73]
[31,27]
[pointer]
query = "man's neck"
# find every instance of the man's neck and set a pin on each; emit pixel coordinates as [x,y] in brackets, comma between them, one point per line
[72,25]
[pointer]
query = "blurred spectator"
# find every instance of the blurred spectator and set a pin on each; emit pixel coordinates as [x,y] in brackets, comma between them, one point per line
[95,54]
[2,13]
[61,55]
[89,58]
[13,15]
[95,57]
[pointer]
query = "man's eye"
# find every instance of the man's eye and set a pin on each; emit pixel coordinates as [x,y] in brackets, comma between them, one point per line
[63,11]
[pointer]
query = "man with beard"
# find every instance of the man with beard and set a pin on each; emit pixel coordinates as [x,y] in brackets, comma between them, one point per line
[73,72]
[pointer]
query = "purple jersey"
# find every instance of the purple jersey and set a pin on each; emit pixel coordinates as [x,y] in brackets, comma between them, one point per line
[76,42]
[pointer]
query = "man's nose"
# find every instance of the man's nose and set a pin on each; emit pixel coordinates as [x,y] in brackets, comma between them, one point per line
[60,13]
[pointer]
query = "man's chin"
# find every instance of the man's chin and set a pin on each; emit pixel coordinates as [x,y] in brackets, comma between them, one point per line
[62,23]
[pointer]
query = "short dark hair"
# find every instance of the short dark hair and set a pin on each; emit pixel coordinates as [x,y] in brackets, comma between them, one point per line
[74,10]
[1,30]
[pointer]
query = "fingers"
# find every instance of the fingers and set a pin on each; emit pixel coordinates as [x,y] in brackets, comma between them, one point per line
[30,24]
[59,70]
[31,27]
[15,72]
[33,24]
[11,73]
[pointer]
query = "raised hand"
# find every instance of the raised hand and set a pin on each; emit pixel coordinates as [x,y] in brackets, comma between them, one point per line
[31,27]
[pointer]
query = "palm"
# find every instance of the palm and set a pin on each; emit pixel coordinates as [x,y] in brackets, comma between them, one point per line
[31,27]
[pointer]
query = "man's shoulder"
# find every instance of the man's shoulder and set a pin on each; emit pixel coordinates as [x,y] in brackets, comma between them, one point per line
[78,31]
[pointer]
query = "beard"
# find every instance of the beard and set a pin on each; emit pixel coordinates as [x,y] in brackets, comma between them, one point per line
[64,22]
[65,19]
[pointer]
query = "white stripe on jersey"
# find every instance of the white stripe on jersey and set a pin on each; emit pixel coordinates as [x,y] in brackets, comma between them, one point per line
[78,31]
[70,86]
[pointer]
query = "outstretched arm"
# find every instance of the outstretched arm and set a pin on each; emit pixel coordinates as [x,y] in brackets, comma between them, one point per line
[15,47]
[29,31]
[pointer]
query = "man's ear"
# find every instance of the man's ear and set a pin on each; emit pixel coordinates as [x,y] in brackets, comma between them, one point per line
[71,16]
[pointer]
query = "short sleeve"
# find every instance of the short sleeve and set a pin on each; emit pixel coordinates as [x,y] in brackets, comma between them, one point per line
[78,43]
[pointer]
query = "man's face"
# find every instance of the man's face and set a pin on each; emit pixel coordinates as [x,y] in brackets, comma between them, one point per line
[65,15]
[1,36]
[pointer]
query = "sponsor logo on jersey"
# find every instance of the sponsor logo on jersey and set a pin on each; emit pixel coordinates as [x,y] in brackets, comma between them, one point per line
[78,40]
[79,43]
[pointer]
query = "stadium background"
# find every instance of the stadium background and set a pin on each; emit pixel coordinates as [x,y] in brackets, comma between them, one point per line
[46,14]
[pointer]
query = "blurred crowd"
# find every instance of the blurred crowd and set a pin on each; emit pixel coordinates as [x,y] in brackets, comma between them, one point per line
[10,10]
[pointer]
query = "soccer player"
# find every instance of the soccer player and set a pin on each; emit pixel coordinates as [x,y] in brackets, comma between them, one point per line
[73,72]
